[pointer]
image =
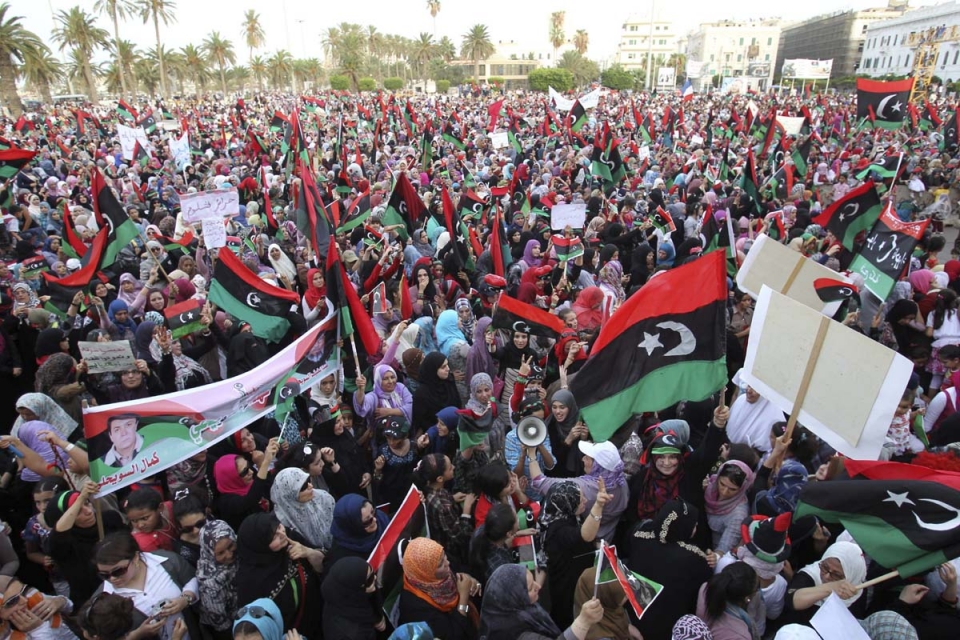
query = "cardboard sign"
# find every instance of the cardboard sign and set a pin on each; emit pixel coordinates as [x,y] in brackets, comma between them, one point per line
[129,137]
[854,383]
[833,621]
[209,204]
[102,357]
[214,233]
[562,215]
[180,150]
[785,271]
[499,140]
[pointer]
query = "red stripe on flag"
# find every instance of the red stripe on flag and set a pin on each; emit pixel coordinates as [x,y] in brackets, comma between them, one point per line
[535,314]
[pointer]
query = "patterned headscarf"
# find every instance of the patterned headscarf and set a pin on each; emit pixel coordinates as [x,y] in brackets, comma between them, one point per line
[218,594]
[421,559]
[478,381]
[562,503]
[311,519]
[690,627]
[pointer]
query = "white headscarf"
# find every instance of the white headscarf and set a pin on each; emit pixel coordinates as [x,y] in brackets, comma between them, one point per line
[312,519]
[284,266]
[851,559]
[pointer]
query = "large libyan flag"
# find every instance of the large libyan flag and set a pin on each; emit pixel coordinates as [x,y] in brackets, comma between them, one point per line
[239,292]
[904,516]
[665,344]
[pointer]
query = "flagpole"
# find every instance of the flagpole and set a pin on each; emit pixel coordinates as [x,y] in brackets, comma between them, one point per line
[877,580]
[807,376]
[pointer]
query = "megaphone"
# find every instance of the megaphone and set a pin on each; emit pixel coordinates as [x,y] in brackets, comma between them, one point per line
[531,431]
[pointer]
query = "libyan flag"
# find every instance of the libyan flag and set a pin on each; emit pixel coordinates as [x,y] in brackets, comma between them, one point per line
[12,160]
[904,516]
[886,168]
[883,104]
[886,251]
[63,290]
[183,318]
[567,248]
[519,316]
[239,292]
[852,215]
[640,591]
[665,344]
[111,215]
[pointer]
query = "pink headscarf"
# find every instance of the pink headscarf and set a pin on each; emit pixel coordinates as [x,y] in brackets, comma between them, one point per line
[921,280]
[228,480]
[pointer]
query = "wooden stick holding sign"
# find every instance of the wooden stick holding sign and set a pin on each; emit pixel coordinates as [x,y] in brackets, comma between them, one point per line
[869,583]
[807,376]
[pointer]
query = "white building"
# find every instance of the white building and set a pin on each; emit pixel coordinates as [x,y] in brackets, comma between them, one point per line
[891,45]
[736,48]
[640,36]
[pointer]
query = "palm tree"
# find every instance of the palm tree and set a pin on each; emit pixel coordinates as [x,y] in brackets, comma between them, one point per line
[258,68]
[76,65]
[280,67]
[253,34]
[115,10]
[557,36]
[78,31]
[583,70]
[238,76]
[125,54]
[147,72]
[476,46]
[421,52]
[581,41]
[158,10]
[196,64]
[176,66]
[16,45]
[42,71]
[434,8]
[446,49]
[375,45]
[221,52]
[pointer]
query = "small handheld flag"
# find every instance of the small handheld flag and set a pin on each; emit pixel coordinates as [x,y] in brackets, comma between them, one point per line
[831,290]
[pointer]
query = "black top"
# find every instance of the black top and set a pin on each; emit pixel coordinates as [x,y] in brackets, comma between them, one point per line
[449,625]
[792,616]
[568,555]
[233,508]
[73,552]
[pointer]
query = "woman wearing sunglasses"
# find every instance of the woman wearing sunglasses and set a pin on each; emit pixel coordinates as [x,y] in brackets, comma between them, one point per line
[243,489]
[261,620]
[352,603]
[302,508]
[161,584]
[27,613]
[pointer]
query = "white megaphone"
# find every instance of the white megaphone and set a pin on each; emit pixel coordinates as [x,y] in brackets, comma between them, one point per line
[531,431]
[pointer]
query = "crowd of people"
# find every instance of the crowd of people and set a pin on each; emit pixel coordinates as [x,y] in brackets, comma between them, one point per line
[258,538]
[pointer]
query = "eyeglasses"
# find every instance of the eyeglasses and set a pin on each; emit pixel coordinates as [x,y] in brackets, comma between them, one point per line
[16,598]
[246,471]
[156,249]
[254,612]
[196,526]
[830,573]
[116,572]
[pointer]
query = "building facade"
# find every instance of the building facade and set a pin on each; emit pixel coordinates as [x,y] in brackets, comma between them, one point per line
[736,48]
[838,36]
[513,62]
[891,46]
[641,35]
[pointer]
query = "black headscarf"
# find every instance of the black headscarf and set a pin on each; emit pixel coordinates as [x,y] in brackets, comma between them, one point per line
[348,453]
[507,612]
[433,394]
[348,612]
[261,569]
[431,291]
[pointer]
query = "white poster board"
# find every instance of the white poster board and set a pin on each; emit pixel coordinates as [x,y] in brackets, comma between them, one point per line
[102,357]
[562,215]
[129,136]
[180,150]
[499,140]
[209,204]
[561,103]
[666,77]
[791,125]
[214,233]
[772,264]
[833,621]
[694,69]
[590,100]
[855,385]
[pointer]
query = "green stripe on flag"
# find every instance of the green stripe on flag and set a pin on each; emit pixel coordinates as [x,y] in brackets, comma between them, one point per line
[265,326]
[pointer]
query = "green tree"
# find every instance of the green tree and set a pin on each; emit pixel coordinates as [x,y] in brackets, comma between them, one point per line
[581,41]
[339,82]
[557,36]
[477,46]
[159,10]
[77,30]
[616,77]
[17,45]
[124,54]
[446,50]
[422,51]
[258,67]
[559,79]
[583,70]
[253,34]
[280,67]
[220,51]
[197,64]
[434,7]
[117,10]
[443,86]
[41,72]
[390,84]
[368,84]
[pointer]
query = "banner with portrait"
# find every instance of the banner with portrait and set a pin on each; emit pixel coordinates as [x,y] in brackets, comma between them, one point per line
[129,441]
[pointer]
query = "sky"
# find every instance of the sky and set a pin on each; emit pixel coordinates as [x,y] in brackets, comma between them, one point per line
[297,25]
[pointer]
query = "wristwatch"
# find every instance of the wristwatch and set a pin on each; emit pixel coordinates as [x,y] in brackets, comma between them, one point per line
[463,609]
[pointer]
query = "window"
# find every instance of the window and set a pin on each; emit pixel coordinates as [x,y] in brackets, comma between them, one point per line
[898,61]
[956,55]
[866,63]
[633,27]
[632,42]
[663,42]
[711,57]
[631,56]
[766,58]
[907,61]
[769,41]
[753,41]
[895,40]
[875,63]
[739,58]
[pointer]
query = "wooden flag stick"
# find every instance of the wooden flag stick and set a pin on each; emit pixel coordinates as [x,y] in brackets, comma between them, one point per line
[96,506]
[878,580]
[807,376]
[356,360]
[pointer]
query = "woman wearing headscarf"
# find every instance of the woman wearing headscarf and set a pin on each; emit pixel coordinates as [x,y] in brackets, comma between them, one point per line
[38,457]
[216,573]
[283,266]
[142,341]
[188,373]
[357,526]
[351,602]
[480,359]
[432,593]
[510,356]
[615,622]
[589,309]
[531,255]
[122,325]
[57,379]
[278,565]
[661,550]
[840,570]
[389,397]
[565,431]
[241,492]
[610,281]
[37,406]
[906,328]
[437,390]
[726,502]
[511,610]
[351,462]
[314,301]
[302,508]
[449,332]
